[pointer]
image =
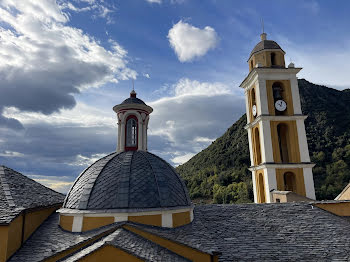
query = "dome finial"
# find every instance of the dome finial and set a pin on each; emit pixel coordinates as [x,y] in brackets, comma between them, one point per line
[133,93]
[263,34]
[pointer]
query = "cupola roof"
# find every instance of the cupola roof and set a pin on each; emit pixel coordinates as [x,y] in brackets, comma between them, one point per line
[128,180]
[265,44]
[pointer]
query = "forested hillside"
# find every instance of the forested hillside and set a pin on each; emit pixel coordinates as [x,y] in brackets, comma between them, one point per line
[219,173]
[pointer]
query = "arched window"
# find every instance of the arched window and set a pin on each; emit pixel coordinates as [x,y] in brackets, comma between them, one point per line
[251,64]
[257,147]
[273,59]
[131,133]
[289,182]
[282,132]
[261,188]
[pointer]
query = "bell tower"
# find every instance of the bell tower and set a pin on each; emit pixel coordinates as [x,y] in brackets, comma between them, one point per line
[276,132]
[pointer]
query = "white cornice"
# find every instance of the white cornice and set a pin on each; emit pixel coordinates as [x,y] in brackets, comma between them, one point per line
[269,73]
[274,118]
[281,166]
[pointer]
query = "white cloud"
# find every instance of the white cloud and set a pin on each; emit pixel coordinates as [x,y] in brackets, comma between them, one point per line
[146,75]
[196,114]
[190,42]
[154,1]
[322,63]
[58,183]
[179,160]
[186,86]
[47,62]
[311,5]
[11,154]
[86,161]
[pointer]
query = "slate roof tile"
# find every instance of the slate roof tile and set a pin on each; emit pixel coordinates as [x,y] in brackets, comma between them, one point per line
[132,244]
[132,179]
[18,192]
[49,239]
[289,232]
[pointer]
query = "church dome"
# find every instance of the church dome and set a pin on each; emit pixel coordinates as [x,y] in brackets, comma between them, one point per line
[128,180]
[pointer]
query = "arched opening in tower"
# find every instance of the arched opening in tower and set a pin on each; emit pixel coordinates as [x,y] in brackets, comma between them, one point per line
[282,132]
[289,181]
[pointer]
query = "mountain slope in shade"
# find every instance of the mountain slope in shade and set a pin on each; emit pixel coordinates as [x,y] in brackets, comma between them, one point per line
[219,173]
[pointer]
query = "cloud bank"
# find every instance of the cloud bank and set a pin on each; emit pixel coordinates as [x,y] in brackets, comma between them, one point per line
[190,42]
[45,62]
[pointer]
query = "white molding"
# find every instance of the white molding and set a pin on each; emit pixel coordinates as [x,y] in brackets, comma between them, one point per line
[281,166]
[309,183]
[167,220]
[77,223]
[266,141]
[274,118]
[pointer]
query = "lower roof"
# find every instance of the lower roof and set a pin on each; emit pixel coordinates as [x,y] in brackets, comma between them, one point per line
[245,232]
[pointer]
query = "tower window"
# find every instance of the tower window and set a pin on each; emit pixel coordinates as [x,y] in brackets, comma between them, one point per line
[282,132]
[251,64]
[257,147]
[273,59]
[277,89]
[261,188]
[289,182]
[131,133]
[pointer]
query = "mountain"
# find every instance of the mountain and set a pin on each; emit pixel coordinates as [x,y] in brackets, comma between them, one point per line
[219,173]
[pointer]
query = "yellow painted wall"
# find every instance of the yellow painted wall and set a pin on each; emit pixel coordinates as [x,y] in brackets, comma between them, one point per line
[95,222]
[340,209]
[110,254]
[14,235]
[182,218]
[77,247]
[255,134]
[34,219]
[293,141]
[286,94]
[182,250]
[299,179]
[153,220]
[66,222]
[3,242]
[344,195]
[264,58]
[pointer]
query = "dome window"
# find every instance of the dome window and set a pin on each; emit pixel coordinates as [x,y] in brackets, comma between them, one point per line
[131,134]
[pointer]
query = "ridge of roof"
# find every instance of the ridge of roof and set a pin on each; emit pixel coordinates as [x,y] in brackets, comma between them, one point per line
[6,188]
[22,192]
[130,243]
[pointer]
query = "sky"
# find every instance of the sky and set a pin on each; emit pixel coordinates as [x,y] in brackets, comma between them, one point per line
[64,64]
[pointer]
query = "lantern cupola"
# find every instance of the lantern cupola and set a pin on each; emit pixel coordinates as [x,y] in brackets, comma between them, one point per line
[266,53]
[133,118]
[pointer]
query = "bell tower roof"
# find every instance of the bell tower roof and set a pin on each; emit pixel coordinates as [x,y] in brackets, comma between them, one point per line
[265,44]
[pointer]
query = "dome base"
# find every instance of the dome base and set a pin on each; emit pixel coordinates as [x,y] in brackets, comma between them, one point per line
[84,220]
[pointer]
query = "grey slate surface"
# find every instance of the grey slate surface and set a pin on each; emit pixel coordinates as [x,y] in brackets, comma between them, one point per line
[18,192]
[49,239]
[132,244]
[133,100]
[265,44]
[264,232]
[132,179]
[247,232]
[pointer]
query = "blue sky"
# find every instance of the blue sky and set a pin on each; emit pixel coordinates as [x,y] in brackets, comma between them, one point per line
[66,63]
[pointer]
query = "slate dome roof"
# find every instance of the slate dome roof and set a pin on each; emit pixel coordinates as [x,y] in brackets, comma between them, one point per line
[265,44]
[133,100]
[128,180]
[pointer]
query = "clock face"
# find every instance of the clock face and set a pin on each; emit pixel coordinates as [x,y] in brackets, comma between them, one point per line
[254,110]
[280,105]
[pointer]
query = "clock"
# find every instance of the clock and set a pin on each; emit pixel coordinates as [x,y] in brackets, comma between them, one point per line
[254,110]
[280,105]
